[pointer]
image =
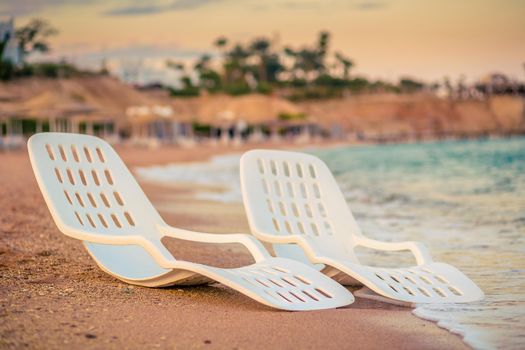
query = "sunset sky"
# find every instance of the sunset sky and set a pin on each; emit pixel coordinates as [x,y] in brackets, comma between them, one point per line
[386,38]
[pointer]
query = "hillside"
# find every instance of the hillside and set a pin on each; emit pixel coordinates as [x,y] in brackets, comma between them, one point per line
[101,93]
[378,116]
[420,114]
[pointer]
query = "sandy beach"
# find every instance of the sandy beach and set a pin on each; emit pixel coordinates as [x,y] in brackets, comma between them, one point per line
[53,295]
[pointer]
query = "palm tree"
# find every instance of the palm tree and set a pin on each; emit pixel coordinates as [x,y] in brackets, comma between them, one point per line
[209,79]
[305,60]
[310,60]
[235,64]
[288,51]
[179,66]
[273,67]
[322,49]
[260,48]
[221,42]
[347,64]
[202,63]
[33,37]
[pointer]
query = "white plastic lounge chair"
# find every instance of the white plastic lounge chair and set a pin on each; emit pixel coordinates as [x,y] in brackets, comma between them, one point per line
[293,202]
[93,197]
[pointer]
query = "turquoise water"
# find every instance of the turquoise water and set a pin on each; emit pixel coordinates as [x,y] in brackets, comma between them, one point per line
[464,199]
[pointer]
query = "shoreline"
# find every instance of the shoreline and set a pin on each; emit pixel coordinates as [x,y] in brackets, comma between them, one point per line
[171,206]
[166,206]
[54,295]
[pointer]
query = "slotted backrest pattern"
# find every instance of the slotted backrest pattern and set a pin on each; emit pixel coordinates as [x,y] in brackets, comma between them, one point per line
[418,282]
[284,285]
[293,194]
[88,187]
[293,197]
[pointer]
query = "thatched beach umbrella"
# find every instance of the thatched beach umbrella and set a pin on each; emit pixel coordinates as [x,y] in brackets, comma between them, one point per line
[156,122]
[51,104]
[185,110]
[65,112]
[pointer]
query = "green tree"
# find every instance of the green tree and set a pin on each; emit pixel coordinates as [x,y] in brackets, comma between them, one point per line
[260,47]
[288,51]
[410,85]
[3,44]
[346,63]
[6,66]
[208,78]
[235,65]
[188,89]
[322,49]
[178,66]
[33,37]
[310,60]
[202,63]
[273,67]
[221,43]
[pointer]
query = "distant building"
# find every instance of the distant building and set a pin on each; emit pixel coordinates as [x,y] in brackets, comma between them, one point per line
[7,33]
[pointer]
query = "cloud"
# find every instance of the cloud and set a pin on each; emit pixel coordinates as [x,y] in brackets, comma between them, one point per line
[135,10]
[370,5]
[27,7]
[326,6]
[120,7]
[177,5]
[302,5]
[143,8]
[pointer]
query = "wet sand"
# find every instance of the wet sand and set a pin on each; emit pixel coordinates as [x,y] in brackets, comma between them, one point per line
[53,295]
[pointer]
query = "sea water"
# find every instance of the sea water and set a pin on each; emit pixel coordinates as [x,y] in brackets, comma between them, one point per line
[464,199]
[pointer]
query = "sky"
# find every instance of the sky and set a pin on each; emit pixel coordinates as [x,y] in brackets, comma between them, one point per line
[387,39]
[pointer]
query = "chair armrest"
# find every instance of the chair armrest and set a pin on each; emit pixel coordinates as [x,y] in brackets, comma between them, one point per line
[274,239]
[154,247]
[419,251]
[255,247]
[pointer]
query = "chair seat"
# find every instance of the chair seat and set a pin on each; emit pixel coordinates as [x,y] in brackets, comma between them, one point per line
[429,283]
[286,284]
[276,282]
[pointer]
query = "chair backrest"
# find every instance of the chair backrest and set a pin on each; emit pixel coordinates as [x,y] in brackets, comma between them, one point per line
[88,189]
[290,193]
